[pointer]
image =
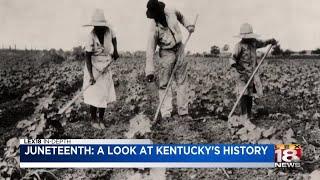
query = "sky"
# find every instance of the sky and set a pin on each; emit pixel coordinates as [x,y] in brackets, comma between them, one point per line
[45,24]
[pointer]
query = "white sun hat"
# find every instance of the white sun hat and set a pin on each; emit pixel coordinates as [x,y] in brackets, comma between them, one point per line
[98,19]
[246,32]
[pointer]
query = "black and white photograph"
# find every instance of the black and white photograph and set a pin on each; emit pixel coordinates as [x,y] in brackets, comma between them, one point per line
[173,72]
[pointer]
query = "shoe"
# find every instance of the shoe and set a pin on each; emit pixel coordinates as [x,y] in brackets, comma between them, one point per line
[102,126]
[95,125]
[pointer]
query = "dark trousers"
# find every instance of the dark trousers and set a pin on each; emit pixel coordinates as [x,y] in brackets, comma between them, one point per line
[246,105]
[93,112]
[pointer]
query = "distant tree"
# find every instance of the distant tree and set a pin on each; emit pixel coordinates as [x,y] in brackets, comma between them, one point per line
[225,47]
[277,51]
[303,52]
[60,52]
[67,54]
[126,54]
[52,51]
[204,54]
[139,54]
[214,51]
[316,51]
[78,53]
[51,56]
[287,53]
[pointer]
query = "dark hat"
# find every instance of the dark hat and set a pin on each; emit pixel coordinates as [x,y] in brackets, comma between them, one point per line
[154,6]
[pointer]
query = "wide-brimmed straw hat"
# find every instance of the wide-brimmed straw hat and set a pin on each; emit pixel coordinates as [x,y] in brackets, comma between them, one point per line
[246,32]
[154,5]
[98,19]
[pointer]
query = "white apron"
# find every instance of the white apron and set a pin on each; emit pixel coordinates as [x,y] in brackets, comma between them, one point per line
[102,92]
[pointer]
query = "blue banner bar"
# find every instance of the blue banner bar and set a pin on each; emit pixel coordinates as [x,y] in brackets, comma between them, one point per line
[148,153]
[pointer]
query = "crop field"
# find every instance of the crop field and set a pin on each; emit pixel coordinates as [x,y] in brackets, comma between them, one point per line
[33,89]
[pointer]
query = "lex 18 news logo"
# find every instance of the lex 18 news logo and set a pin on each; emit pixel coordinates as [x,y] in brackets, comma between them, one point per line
[288,155]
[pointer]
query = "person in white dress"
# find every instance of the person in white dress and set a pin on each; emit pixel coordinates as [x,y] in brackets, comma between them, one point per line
[101,49]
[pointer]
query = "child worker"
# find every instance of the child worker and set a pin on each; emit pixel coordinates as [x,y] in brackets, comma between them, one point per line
[243,62]
[101,49]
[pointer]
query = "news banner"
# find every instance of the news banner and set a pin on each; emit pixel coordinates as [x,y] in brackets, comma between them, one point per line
[142,153]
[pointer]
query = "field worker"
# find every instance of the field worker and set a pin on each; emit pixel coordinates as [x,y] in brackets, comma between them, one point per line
[243,63]
[101,49]
[165,32]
